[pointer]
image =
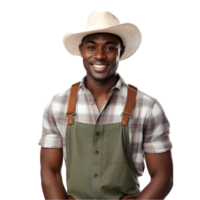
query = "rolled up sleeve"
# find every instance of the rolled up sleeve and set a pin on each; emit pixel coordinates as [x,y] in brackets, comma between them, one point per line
[156,131]
[51,137]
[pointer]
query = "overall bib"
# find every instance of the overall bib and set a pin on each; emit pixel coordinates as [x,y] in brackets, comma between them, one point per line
[99,161]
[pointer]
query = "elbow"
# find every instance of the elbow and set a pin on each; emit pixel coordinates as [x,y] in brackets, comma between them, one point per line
[164,181]
[168,182]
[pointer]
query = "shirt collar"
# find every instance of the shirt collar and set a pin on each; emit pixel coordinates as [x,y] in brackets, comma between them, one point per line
[119,84]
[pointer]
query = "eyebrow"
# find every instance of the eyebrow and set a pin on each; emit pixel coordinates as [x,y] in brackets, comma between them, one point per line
[93,42]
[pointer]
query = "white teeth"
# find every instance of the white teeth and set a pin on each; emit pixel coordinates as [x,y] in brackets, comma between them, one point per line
[99,66]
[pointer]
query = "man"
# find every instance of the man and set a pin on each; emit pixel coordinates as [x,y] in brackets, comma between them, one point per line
[104,127]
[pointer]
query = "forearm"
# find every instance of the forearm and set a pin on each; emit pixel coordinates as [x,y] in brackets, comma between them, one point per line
[52,185]
[158,188]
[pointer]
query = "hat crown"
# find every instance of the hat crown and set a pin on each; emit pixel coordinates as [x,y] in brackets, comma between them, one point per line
[101,20]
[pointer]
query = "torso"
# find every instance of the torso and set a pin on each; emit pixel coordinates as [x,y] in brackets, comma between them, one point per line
[101,101]
[100,105]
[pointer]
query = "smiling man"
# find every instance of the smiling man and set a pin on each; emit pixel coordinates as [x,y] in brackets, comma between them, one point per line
[101,53]
[103,127]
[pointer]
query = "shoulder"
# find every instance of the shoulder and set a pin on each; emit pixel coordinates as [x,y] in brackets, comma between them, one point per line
[151,107]
[58,97]
[143,98]
[55,105]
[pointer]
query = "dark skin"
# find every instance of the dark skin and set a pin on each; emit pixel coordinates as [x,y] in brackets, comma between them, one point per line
[101,83]
[104,49]
[96,50]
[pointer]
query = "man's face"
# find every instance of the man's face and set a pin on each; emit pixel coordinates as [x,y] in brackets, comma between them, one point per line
[101,53]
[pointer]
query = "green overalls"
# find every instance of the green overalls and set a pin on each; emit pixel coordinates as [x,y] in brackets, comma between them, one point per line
[99,161]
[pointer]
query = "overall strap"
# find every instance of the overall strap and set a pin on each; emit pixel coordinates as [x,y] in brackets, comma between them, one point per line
[129,105]
[130,102]
[72,103]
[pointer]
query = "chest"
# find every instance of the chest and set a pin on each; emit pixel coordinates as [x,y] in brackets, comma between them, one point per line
[101,101]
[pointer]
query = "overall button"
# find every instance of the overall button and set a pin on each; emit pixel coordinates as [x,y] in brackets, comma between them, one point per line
[91,102]
[95,175]
[97,133]
[96,152]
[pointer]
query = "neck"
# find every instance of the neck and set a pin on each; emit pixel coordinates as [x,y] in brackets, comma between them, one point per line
[101,88]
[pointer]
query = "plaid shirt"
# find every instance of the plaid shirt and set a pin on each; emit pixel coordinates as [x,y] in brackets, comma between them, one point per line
[148,126]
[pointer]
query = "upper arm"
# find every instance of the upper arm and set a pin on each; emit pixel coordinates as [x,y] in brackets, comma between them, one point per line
[51,159]
[157,145]
[159,163]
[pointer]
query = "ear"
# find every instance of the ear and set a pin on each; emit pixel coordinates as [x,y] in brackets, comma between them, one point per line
[122,51]
[81,49]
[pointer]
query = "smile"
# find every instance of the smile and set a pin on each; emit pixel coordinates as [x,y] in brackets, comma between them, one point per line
[100,68]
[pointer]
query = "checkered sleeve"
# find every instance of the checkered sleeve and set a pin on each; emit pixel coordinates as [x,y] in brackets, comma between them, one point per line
[51,137]
[156,131]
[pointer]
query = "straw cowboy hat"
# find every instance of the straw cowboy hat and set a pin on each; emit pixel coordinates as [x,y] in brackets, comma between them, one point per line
[105,22]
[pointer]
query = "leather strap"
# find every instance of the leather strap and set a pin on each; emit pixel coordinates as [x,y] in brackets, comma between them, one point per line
[128,109]
[130,102]
[72,103]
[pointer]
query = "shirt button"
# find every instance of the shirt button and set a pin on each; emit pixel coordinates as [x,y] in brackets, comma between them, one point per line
[91,102]
[96,152]
[97,133]
[95,175]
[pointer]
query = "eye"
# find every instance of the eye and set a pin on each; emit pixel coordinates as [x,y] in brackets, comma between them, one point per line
[109,48]
[90,47]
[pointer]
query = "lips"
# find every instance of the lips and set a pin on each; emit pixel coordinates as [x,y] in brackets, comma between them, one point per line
[99,69]
[100,64]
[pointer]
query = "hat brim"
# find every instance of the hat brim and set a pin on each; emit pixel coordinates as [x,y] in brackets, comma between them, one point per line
[129,33]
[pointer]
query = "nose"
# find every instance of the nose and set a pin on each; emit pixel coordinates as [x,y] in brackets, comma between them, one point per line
[99,54]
